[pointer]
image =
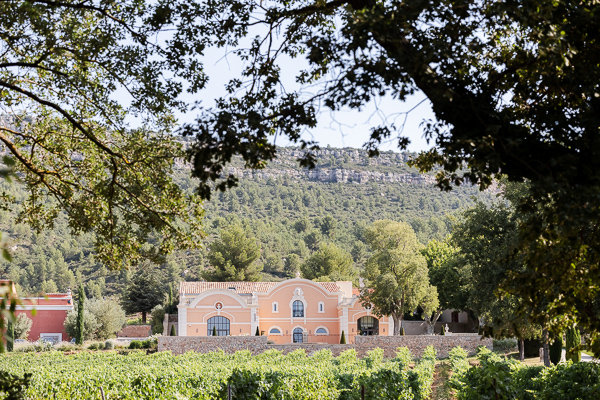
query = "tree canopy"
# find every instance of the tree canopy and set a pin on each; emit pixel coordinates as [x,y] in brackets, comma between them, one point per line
[396,274]
[143,293]
[329,262]
[234,256]
[72,76]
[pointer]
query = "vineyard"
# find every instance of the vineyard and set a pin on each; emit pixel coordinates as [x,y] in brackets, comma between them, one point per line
[498,378]
[270,375]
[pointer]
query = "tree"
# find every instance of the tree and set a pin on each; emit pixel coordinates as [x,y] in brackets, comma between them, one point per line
[343,338]
[22,326]
[143,293]
[67,136]
[234,256]
[88,332]
[486,237]
[556,350]
[396,274]
[329,262]
[172,333]
[214,332]
[157,317]
[573,341]
[78,332]
[10,335]
[448,276]
[110,317]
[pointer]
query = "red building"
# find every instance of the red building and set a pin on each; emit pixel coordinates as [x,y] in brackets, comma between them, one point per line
[50,312]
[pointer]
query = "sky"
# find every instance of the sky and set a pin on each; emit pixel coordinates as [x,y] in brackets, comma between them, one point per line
[345,128]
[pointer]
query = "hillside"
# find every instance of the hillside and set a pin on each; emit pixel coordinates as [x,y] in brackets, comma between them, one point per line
[289,210]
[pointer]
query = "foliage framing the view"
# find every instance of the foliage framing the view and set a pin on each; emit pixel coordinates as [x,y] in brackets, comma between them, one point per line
[66,137]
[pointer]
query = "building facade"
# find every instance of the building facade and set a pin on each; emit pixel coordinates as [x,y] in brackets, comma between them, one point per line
[49,315]
[293,311]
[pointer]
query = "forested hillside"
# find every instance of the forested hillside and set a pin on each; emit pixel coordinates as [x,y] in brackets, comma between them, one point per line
[289,210]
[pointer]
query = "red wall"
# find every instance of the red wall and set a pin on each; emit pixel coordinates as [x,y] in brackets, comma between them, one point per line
[46,321]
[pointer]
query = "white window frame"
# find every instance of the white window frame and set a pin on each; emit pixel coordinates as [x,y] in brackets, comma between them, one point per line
[321,334]
[51,335]
[321,309]
[275,307]
[275,334]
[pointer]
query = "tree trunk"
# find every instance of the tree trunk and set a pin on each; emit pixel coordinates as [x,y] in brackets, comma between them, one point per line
[546,348]
[143,317]
[522,349]
[431,322]
[397,323]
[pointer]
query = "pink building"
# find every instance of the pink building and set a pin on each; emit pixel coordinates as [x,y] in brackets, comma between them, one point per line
[292,311]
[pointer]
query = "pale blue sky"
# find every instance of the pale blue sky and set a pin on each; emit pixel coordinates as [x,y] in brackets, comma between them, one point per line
[346,128]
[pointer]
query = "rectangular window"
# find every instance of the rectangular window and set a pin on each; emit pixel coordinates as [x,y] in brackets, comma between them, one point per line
[275,307]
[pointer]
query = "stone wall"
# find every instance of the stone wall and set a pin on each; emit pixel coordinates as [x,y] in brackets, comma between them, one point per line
[205,344]
[418,343]
[363,344]
[135,331]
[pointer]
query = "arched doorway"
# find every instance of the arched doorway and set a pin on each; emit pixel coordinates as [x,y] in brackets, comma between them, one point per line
[219,322]
[368,326]
[298,335]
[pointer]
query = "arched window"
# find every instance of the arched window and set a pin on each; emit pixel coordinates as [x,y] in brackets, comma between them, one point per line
[274,331]
[221,323]
[321,331]
[298,335]
[298,309]
[368,326]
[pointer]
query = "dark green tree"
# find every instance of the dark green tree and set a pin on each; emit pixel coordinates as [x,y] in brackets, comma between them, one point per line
[10,335]
[79,327]
[233,256]
[573,343]
[343,338]
[556,350]
[329,262]
[214,332]
[143,293]
[172,332]
[257,332]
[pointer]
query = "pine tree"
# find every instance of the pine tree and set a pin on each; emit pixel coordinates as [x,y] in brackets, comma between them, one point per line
[172,333]
[343,338]
[80,323]
[214,331]
[556,350]
[10,335]
[257,332]
[573,339]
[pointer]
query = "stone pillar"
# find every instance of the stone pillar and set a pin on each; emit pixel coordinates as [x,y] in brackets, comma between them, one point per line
[182,321]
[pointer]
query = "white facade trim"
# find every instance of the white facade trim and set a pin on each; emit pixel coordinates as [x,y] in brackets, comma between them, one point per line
[42,307]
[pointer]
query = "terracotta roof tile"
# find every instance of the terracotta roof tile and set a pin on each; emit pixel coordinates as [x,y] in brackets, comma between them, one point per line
[241,287]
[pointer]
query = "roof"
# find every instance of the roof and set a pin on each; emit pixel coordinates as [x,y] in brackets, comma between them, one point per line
[242,287]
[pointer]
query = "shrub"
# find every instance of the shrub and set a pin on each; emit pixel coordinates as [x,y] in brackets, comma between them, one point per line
[442,330]
[403,356]
[146,344]
[505,344]
[95,346]
[343,338]
[109,344]
[35,347]
[135,344]
[556,350]
[402,333]
[65,346]
[157,316]
[173,332]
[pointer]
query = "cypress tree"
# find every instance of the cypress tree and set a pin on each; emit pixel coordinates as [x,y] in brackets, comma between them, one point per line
[343,338]
[172,333]
[257,332]
[214,331]
[10,335]
[80,326]
[402,333]
[442,331]
[556,350]
[573,340]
